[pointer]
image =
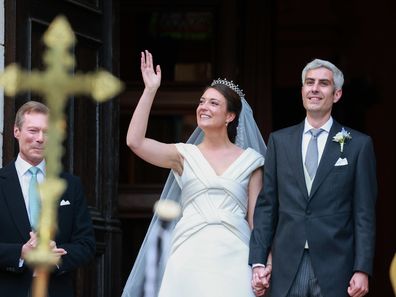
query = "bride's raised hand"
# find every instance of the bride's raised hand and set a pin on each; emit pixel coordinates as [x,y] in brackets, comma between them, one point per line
[151,77]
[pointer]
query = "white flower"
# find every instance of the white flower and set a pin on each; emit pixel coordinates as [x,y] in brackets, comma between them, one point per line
[342,137]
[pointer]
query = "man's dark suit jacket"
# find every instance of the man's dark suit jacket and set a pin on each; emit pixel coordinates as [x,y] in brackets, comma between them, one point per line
[75,235]
[337,218]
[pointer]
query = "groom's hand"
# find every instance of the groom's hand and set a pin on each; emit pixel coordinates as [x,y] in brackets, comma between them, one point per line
[358,286]
[260,279]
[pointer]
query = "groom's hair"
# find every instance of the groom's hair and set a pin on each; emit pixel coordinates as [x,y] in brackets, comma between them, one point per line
[338,77]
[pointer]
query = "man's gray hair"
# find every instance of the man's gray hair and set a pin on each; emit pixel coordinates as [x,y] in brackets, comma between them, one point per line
[338,77]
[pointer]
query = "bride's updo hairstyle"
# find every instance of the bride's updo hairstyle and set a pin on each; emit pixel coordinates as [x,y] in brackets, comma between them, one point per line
[232,94]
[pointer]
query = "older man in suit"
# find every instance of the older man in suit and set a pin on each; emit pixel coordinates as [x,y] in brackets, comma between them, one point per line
[316,212]
[74,242]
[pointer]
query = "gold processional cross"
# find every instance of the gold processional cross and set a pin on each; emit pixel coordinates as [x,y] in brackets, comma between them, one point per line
[55,85]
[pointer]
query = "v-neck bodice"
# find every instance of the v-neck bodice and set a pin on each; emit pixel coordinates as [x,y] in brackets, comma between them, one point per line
[229,167]
[205,190]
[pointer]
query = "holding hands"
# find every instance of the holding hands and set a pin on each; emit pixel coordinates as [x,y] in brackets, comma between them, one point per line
[261,279]
[151,77]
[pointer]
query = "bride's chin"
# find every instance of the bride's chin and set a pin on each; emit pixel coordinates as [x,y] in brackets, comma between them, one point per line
[203,127]
[201,124]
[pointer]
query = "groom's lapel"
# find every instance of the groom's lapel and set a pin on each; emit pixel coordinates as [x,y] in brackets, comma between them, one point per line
[330,155]
[294,155]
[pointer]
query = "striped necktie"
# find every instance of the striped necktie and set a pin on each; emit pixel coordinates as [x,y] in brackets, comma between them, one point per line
[312,156]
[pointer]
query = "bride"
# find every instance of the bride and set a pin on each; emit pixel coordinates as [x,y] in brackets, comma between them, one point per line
[216,177]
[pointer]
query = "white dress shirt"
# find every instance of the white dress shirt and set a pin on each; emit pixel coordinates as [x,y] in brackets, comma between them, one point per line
[322,138]
[22,168]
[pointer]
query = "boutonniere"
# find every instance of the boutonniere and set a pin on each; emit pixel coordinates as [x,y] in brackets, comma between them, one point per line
[341,137]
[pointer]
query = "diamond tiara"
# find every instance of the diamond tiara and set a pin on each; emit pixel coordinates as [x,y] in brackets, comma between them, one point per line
[229,84]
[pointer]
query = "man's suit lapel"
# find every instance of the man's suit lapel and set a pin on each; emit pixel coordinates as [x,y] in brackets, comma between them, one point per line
[293,146]
[330,155]
[14,198]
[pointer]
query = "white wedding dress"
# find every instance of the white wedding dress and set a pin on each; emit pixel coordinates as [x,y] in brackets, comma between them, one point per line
[210,244]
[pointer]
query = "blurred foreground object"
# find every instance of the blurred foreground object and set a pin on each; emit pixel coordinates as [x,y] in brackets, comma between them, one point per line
[393,273]
[157,253]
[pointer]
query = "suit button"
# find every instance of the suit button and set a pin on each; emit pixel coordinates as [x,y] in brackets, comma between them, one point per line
[307,211]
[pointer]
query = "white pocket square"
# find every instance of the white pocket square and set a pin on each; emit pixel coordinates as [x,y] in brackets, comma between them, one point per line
[341,162]
[63,202]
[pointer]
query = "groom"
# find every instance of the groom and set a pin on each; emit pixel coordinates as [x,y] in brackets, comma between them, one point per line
[316,212]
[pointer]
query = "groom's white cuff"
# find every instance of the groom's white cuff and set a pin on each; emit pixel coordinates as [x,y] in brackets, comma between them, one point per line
[258,265]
